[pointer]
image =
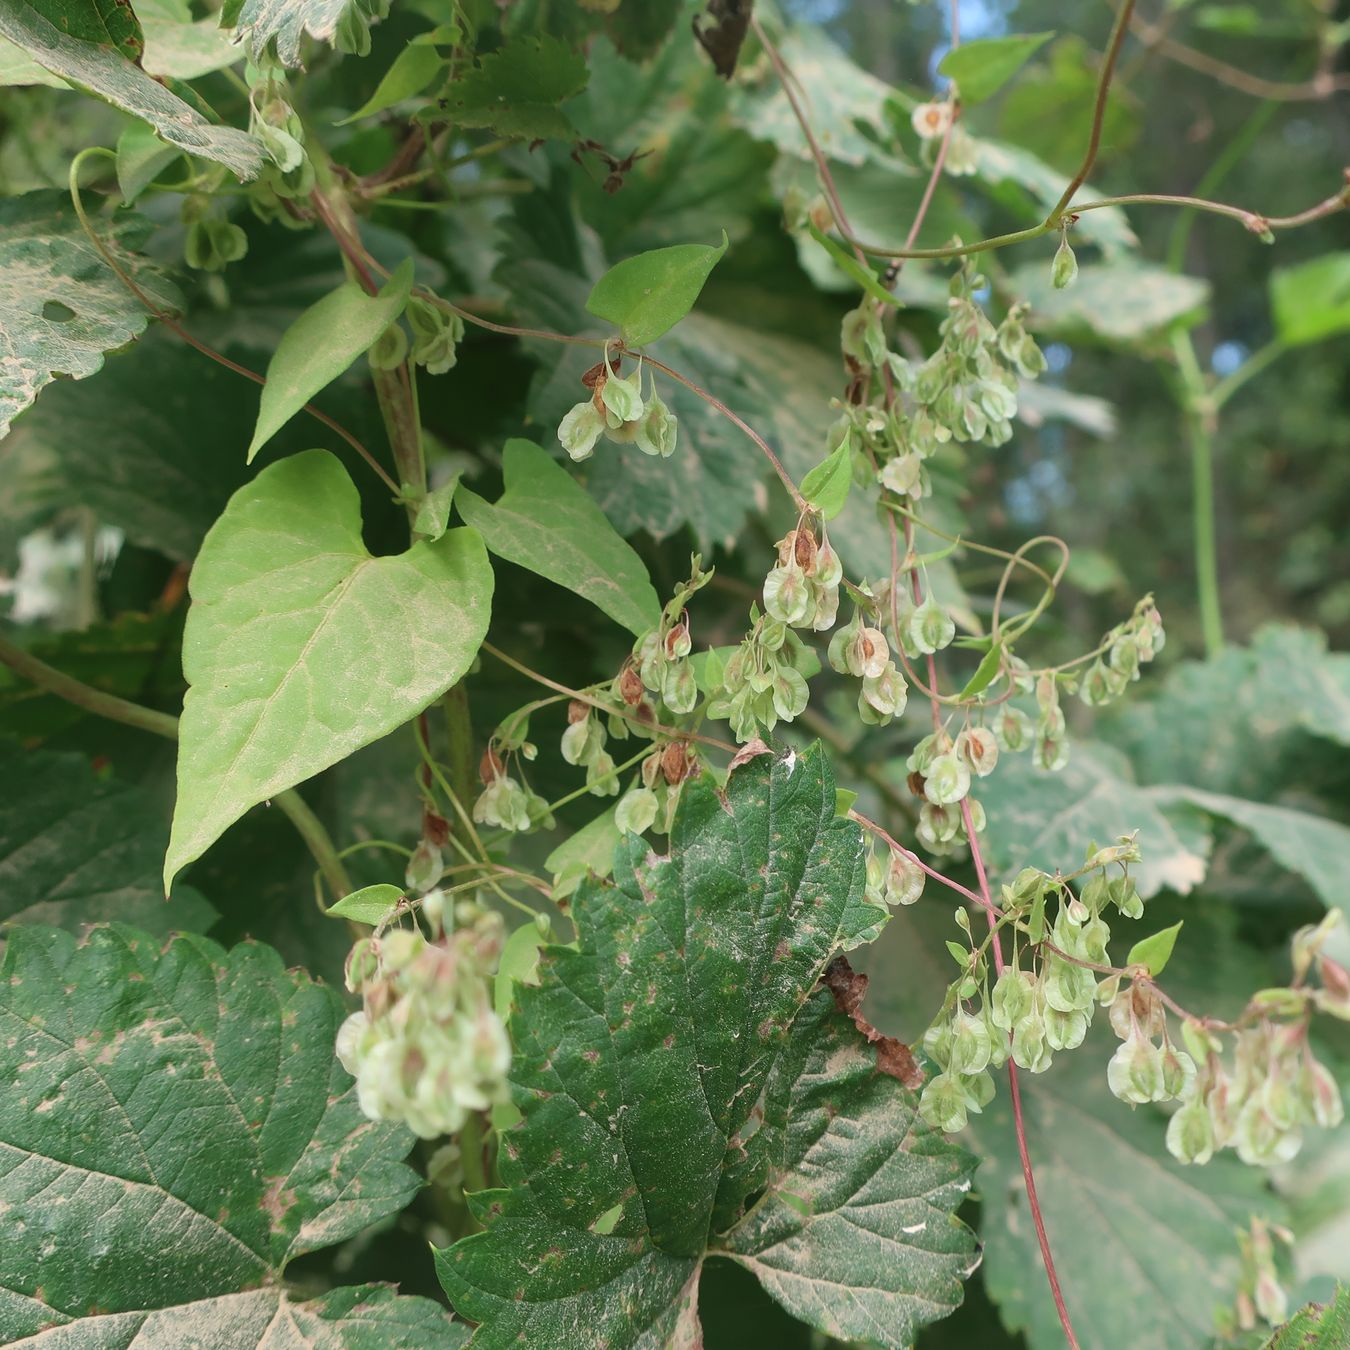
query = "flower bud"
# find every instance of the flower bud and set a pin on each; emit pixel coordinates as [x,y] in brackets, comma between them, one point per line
[580,429]
[1011,1000]
[943,1103]
[1135,1071]
[970,1044]
[1190,1133]
[977,747]
[1178,1072]
[787,594]
[425,868]
[1064,269]
[930,627]
[1065,1030]
[636,811]
[904,880]
[947,780]
[1014,729]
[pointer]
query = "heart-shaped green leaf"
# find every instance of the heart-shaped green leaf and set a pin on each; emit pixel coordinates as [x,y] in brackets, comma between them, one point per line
[546,522]
[301,647]
[649,294]
[1154,951]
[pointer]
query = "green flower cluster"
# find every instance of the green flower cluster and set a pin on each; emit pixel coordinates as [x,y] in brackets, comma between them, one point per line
[1026,1015]
[802,588]
[1126,647]
[942,770]
[506,802]
[860,649]
[764,681]
[618,411]
[426,1048]
[1275,1086]
[650,803]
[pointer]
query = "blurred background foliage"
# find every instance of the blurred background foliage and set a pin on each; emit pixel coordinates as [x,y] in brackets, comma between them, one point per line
[107,486]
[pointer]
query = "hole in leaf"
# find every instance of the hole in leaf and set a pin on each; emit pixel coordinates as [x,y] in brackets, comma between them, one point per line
[55,312]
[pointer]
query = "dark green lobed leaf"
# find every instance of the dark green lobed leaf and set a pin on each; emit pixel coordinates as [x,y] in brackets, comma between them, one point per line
[664,1075]
[178,1128]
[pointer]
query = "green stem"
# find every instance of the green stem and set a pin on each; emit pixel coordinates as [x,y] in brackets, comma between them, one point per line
[1198,407]
[1206,549]
[1249,369]
[291,805]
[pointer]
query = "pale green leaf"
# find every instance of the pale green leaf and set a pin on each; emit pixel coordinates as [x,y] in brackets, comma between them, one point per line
[851,267]
[301,647]
[78,849]
[826,486]
[1227,723]
[1039,819]
[141,158]
[519,964]
[1155,951]
[414,68]
[647,295]
[371,904]
[180,48]
[1311,846]
[589,850]
[321,344]
[985,672]
[17,68]
[847,104]
[544,521]
[61,306]
[1117,302]
[109,75]
[282,24]
[1311,301]
[515,91]
[112,1045]
[673,1065]
[432,518]
[981,68]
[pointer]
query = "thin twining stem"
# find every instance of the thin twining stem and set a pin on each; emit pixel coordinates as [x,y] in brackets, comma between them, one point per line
[290,803]
[592,702]
[180,332]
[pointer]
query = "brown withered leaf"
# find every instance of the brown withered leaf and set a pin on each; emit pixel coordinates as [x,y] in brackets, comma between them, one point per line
[721,30]
[848,988]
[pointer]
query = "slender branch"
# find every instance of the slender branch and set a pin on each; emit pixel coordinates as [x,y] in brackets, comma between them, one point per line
[917,861]
[1321,86]
[1015,1091]
[1098,108]
[787,80]
[180,332]
[290,803]
[736,420]
[592,702]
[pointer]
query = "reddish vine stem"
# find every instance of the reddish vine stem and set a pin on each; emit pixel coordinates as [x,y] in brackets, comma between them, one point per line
[736,420]
[1015,1092]
[985,900]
